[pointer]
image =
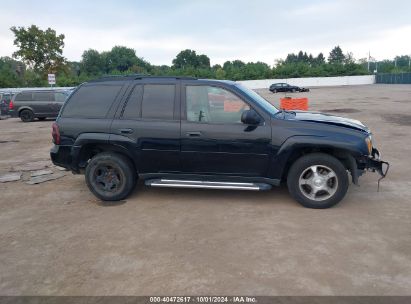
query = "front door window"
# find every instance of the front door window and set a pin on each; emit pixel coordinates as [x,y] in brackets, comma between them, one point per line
[207,104]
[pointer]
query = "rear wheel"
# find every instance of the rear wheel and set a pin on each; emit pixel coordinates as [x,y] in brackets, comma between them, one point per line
[27,116]
[110,176]
[317,181]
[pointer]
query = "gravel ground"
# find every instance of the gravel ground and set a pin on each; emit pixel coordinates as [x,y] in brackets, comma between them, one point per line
[57,239]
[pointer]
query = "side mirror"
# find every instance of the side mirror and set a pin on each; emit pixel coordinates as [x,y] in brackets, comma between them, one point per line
[250,117]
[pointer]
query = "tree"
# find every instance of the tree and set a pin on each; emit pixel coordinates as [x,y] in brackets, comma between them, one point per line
[220,73]
[336,56]
[184,59]
[189,58]
[291,58]
[11,72]
[349,58]
[319,59]
[92,63]
[402,61]
[40,50]
[203,61]
[121,58]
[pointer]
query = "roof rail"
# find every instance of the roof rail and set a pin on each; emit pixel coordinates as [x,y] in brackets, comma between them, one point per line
[117,77]
[167,77]
[137,76]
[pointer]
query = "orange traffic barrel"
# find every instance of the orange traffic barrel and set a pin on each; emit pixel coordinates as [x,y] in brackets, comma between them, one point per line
[289,103]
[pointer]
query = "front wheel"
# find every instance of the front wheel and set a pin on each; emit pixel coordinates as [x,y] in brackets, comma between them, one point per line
[317,181]
[110,176]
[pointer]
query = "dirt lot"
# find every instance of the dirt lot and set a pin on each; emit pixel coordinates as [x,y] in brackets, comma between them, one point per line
[57,239]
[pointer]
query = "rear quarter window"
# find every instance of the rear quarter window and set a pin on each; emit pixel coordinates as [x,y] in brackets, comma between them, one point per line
[91,101]
[60,97]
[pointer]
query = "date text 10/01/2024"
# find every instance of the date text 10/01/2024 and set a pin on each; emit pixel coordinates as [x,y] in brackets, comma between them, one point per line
[203,299]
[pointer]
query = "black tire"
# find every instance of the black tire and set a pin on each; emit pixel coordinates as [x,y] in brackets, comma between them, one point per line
[110,176]
[338,184]
[274,91]
[27,116]
[42,118]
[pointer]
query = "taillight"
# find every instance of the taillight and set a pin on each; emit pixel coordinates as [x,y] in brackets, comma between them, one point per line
[11,105]
[56,133]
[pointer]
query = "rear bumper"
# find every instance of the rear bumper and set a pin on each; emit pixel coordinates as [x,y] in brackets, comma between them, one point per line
[65,156]
[61,156]
[14,113]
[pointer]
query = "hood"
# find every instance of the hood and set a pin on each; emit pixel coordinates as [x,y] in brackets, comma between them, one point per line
[328,119]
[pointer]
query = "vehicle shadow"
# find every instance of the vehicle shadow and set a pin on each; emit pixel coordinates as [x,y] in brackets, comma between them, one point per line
[109,203]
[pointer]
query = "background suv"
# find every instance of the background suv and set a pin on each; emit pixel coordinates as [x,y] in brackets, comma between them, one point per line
[39,104]
[195,133]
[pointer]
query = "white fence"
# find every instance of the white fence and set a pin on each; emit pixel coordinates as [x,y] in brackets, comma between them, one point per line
[265,83]
[312,81]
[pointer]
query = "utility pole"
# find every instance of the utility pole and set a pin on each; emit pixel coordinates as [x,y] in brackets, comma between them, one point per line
[369,55]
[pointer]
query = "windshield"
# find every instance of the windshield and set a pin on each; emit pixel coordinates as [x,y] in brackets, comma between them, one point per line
[257,98]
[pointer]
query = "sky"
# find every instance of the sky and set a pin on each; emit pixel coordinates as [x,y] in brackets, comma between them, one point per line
[251,31]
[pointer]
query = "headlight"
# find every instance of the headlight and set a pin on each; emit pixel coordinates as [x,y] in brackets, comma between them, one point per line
[368,142]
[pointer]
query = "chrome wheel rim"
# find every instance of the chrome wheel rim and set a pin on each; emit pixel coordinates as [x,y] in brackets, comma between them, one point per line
[318,183]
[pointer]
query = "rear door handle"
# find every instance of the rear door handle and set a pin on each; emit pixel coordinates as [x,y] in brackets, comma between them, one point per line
[126,131]
[193,134]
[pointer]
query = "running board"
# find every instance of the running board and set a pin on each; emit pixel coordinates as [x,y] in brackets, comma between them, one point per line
[173,183]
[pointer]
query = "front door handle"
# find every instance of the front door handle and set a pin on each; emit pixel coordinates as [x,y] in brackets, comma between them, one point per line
[193,134]
[126,131]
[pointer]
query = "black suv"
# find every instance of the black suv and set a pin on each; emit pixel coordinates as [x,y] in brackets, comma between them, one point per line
[39,104]
[285,87]
[195,133]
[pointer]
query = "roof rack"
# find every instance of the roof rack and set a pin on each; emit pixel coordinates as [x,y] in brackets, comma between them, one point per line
[137,76]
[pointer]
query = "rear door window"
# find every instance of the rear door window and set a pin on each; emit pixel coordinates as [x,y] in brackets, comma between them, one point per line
[92,100]
[158,101]
[43,96]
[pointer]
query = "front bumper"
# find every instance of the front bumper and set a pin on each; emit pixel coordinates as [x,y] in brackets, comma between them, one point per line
[375,164]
